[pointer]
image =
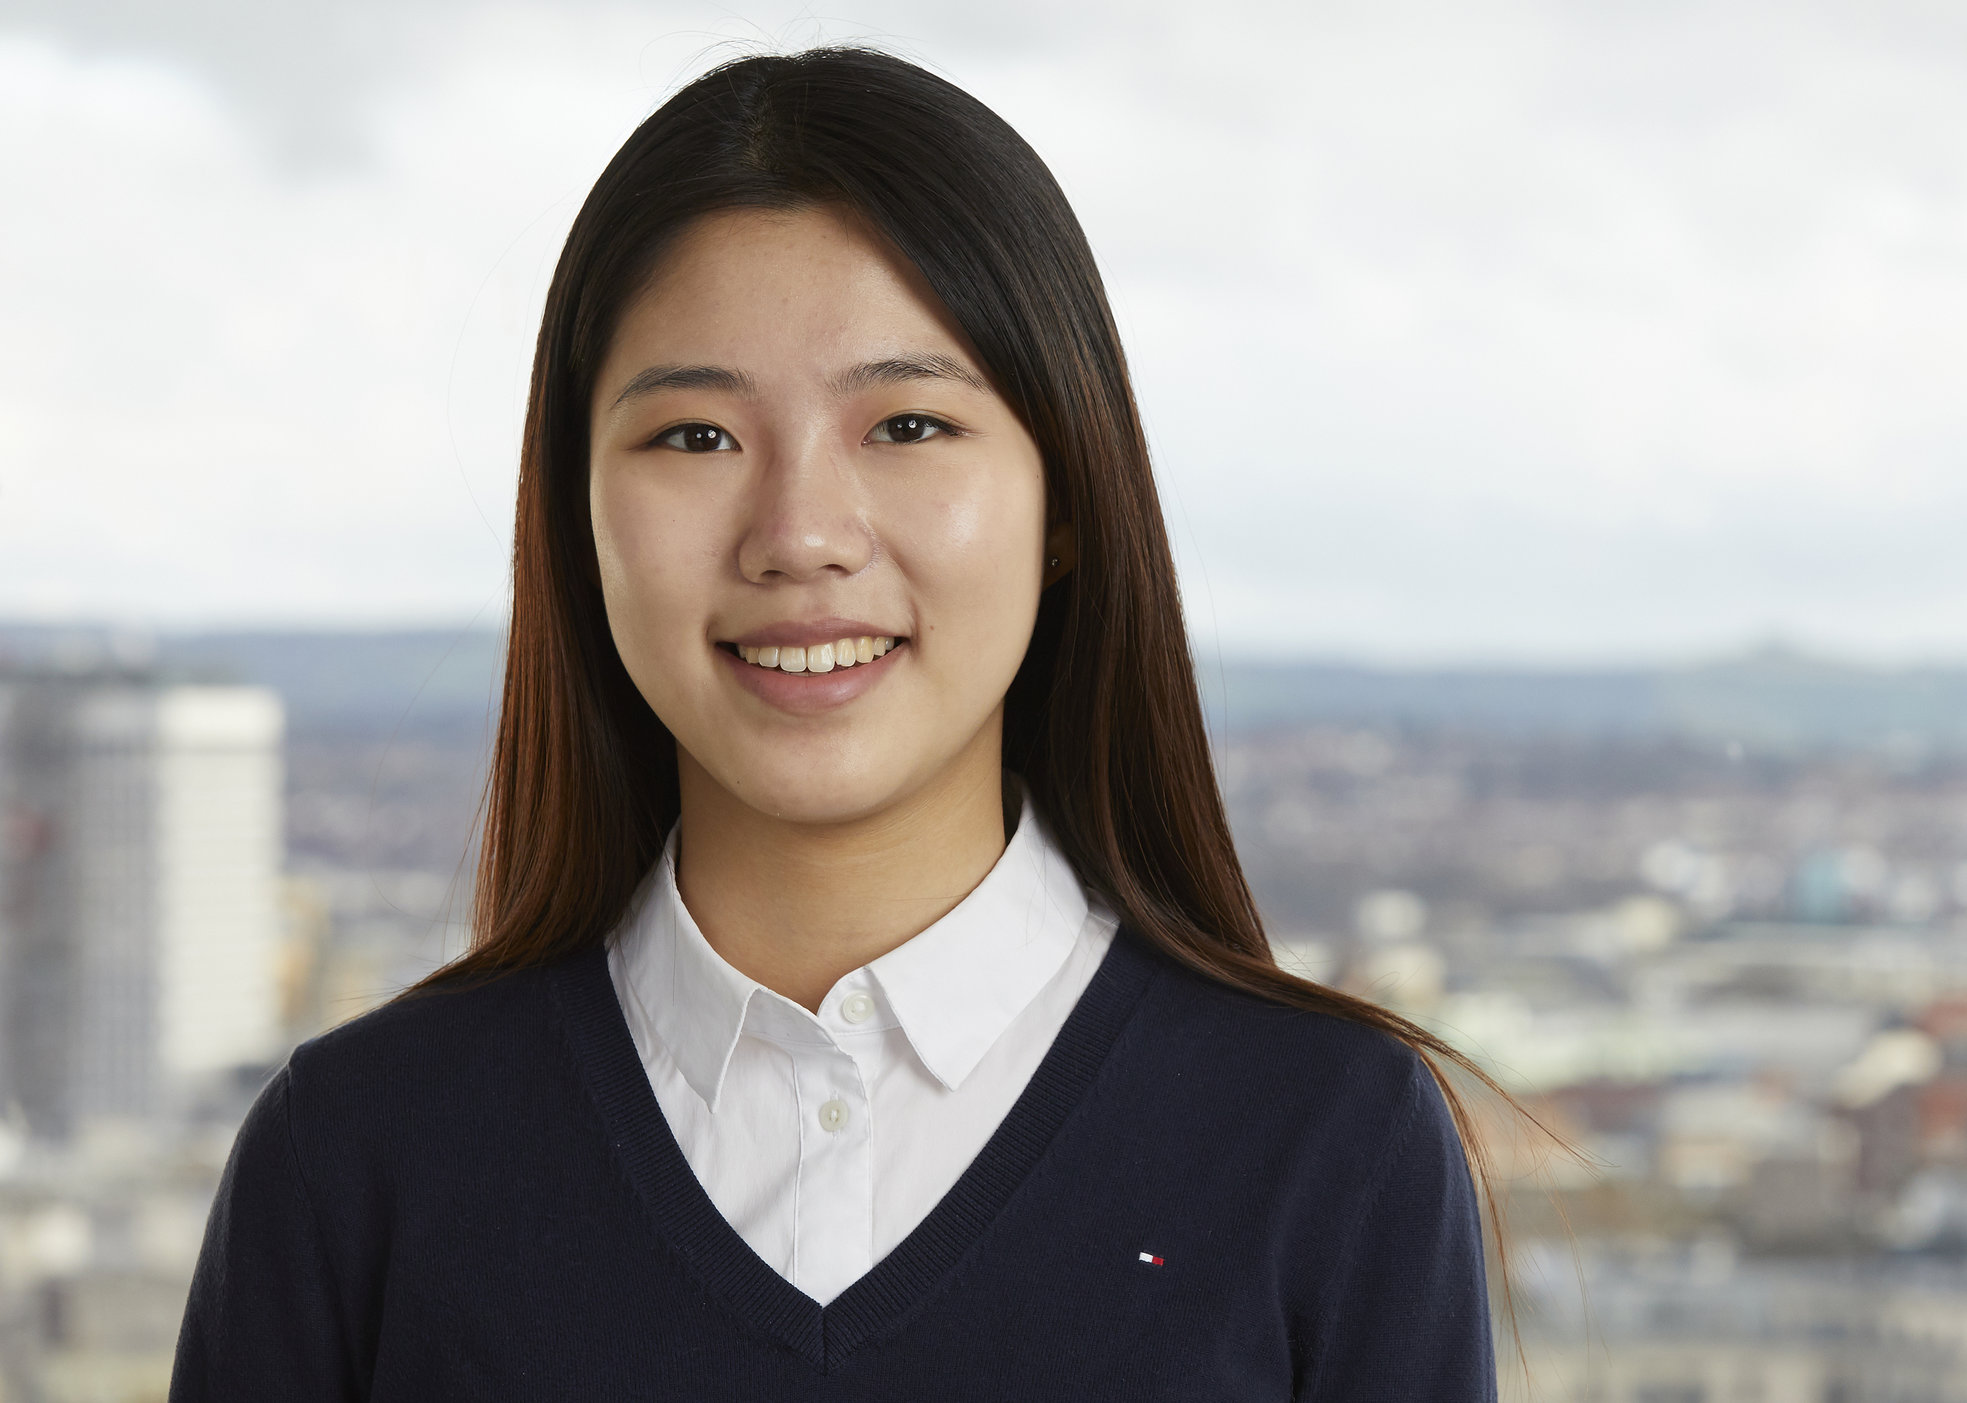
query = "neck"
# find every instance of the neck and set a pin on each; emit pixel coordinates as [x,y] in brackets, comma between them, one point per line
[796,906]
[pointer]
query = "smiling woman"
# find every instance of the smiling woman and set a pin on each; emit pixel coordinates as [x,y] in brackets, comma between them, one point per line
[819,447]
[803,457]
[865,1000]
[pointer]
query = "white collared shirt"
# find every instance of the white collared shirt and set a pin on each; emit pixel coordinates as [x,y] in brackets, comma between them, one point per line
[825,1139]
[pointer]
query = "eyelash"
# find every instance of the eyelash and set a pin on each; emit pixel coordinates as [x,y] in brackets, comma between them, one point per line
[662,440]
[941,427]
[938,428]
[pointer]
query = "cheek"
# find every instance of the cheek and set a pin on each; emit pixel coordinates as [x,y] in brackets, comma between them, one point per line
[974,558]
[654,555]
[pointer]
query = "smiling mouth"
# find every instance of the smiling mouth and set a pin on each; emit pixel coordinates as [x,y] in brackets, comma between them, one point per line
[819,657]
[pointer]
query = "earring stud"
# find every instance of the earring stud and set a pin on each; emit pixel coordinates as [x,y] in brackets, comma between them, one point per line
[1055,562]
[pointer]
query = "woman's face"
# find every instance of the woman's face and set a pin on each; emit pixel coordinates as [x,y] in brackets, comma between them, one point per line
[793,449]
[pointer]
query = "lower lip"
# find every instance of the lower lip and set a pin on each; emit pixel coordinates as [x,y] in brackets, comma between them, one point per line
[807,693]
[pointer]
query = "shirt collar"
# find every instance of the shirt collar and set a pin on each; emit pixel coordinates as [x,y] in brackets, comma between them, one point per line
[954,989]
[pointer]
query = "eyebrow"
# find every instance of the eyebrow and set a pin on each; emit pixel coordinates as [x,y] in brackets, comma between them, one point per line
[899,369]
[685,377]
[893,370]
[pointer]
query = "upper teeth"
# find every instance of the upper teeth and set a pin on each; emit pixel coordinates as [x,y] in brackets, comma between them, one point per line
[820,657]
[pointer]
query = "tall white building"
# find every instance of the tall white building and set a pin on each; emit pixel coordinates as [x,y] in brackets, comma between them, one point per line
[139,917]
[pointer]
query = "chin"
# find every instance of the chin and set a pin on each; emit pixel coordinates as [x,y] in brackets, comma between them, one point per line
[819,799]
[807,779]
[843,772]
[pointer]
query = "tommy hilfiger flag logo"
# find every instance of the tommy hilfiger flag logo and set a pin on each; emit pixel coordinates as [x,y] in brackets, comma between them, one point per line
[1150,1259]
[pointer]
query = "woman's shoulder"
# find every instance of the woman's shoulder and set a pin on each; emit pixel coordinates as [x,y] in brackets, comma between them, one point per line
[1293,1066]
[433,1051]
[429,1018]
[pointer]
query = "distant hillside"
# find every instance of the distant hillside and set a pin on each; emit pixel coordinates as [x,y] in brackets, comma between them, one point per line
[1771,698]
[335,679]
[429,677]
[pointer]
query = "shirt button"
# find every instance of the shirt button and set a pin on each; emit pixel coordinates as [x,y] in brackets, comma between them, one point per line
[833,1115]
[857,1008]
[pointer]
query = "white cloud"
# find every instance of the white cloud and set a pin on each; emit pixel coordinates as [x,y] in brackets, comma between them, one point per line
[1523,328]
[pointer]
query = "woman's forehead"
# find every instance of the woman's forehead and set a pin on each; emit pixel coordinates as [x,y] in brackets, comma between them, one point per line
[772,294]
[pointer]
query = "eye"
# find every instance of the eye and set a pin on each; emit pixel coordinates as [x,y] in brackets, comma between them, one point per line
[909,428]
[697,438]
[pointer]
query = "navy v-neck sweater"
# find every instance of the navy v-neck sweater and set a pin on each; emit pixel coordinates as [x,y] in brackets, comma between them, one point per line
[473,1195]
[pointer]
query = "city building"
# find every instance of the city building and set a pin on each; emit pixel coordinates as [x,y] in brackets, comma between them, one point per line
[140,920]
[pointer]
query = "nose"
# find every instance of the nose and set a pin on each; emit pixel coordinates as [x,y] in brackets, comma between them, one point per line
[808,518]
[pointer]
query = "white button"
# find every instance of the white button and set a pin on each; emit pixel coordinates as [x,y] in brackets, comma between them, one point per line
[833,1115]
[857,1008]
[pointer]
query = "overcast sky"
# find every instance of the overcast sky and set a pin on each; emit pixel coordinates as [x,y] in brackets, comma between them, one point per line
[1472,329]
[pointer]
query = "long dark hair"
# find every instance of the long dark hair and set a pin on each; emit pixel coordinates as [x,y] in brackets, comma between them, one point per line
[1103,719]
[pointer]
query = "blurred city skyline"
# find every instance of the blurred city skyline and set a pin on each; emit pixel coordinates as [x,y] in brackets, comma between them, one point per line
[1520,331]
[1711,921]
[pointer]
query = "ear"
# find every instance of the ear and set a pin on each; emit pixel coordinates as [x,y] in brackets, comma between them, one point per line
[1061,553]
